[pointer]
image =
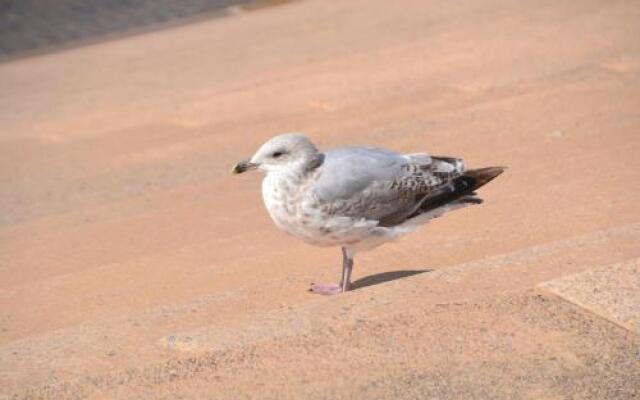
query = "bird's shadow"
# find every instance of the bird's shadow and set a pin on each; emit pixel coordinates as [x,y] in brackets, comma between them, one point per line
[388,276]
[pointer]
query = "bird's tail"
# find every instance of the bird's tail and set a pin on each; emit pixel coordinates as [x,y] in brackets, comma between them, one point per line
[459,194]
[476,178]
[464,188]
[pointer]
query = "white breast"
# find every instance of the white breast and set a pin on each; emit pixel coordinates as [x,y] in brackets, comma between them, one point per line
[275,200]
[294,209]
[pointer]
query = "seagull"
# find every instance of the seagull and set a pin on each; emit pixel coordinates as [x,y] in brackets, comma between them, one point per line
[357,198]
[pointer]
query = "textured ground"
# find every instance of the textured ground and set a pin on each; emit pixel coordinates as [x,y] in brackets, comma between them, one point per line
[133,265]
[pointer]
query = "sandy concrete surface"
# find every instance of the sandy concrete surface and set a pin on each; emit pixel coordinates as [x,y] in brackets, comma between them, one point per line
[134,266]
[612,292]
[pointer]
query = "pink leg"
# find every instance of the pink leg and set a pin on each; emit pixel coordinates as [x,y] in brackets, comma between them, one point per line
[345,283]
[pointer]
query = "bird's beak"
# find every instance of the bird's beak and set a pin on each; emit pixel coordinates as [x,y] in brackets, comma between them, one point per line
[243,166]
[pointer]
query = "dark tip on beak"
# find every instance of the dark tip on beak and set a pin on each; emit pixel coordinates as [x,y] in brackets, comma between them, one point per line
[243,166]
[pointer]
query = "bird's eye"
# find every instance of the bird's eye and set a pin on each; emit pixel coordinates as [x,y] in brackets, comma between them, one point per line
[278,154]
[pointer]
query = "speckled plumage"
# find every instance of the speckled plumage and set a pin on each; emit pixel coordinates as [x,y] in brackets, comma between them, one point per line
[350,198]
[358,197]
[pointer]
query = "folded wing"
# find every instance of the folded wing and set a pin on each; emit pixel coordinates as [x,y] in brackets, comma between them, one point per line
[381,185]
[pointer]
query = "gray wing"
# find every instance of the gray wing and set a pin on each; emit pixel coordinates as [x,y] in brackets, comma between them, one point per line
[381,185]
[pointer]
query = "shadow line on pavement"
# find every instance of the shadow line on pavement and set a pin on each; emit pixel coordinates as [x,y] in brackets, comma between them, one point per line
[383,277]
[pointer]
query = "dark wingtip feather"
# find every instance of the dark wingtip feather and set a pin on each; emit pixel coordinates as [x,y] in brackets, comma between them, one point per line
[463,186]
[462,189]
[482,176]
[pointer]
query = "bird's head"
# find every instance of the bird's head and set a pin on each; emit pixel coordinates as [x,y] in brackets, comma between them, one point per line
[289,151]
